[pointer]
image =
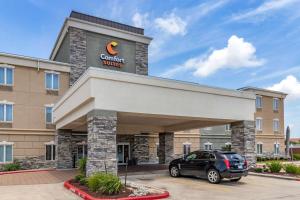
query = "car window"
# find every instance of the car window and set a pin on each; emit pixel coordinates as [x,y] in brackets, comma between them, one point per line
[203,155]
[191,156]
[233,156]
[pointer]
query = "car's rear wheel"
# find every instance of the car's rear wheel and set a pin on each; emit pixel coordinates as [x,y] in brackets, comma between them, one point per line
[174,171]
[213,176]
[235,179]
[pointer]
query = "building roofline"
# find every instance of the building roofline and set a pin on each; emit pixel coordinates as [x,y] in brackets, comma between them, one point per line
[27,61]
[261,89]
[96,28]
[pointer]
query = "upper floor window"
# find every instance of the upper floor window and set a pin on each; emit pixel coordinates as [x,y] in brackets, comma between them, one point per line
[50,151]
[52,81]
[6,112]
[258,102]
[259,148]
[276,125]
[6,152]
[49,114]
[258,124]
[186,148]
[208,146]
[6,76]
[275,104]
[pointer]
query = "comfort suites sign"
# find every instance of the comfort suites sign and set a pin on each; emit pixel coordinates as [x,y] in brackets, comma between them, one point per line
[111,58]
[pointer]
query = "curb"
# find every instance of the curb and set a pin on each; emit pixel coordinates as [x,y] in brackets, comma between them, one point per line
[86,196]
[25,171]
[274,176]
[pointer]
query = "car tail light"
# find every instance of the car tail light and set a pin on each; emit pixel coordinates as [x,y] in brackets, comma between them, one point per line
[227,163]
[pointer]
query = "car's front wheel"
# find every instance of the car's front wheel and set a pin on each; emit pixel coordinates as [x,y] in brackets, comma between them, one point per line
[213,176]
[174,171]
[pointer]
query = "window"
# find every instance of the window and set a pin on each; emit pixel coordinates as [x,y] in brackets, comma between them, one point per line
[6,152]
[208,128]
[227,127]
[276,148]
[50,151]
[52,81]
[6,112]
[258,102]
[208,146]
[157,149]
[186,148]
[228,146]
[258,123]
[49,114]
[6,76]
[275,104]
[276,125]
[259,148]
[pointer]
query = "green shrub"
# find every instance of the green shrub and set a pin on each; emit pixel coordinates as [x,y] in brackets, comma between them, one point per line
[274,166]
[82,165]
[83,181]
[11,167]
[79,177]
[258,170]
[104,183]
[291,169]
[296,156]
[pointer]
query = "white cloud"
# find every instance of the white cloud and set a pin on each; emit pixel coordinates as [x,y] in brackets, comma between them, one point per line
[237,54]
[140,20]
[264,8]
[171,24]
[289,85]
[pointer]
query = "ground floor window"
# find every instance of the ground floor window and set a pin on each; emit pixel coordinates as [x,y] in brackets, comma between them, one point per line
[157,149]
[259,148]
[208,146]
[50,151]
[276,148]
[186,148]
[6,152]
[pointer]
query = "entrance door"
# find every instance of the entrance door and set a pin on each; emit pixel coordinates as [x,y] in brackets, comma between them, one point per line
[123,150]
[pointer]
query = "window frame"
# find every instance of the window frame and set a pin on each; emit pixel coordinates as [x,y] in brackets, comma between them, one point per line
[188,150]
[4,144]
[208,144]
[52,120]
[228,127]
[52,73]
[276,148]
[261,124]
[274,107]
[261,148]
[5,67]
[278,127]
[5,103]
[52,155]
[261,102]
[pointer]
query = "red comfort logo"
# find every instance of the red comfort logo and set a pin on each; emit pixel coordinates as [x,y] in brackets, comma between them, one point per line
[112,59]
[110,46]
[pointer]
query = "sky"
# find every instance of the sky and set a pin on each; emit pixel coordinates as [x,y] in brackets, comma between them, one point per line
[223,43]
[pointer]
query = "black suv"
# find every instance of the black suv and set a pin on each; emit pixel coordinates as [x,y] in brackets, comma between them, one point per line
[212,165]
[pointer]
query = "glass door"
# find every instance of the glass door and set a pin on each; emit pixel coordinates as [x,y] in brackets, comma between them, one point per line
[123,151]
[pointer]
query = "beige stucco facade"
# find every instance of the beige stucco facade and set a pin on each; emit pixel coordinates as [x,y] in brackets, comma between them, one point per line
[28,131]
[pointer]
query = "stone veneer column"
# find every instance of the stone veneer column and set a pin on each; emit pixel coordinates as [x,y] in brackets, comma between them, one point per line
[141,148]
[102,150]
[77,53]
[141,58]
[243,139]
[63,142]
[166,147]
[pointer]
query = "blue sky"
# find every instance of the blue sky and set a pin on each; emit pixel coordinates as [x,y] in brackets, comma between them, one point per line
[229,43]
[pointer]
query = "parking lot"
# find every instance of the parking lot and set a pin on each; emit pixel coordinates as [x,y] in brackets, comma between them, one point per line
[48,186]
[251,187]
